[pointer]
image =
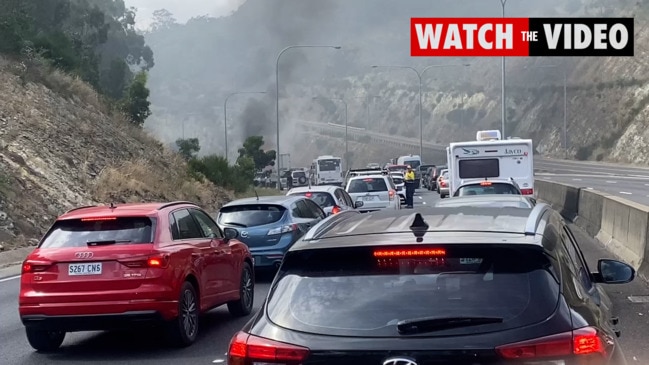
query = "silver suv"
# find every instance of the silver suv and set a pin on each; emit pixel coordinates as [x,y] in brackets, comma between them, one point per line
[377,192]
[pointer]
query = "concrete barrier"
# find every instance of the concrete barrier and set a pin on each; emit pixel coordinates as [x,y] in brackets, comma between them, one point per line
[620,224]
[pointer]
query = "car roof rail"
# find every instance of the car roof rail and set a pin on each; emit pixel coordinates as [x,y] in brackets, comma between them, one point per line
[535,217]
[171,204]
[77,208]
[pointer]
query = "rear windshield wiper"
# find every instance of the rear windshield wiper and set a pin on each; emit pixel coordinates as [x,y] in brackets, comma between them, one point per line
[431,324]
[106,242]
[235,224]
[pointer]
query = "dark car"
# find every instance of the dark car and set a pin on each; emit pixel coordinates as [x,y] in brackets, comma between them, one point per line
[269,225]
[461,286]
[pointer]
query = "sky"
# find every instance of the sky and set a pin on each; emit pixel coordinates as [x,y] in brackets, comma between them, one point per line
[182,10]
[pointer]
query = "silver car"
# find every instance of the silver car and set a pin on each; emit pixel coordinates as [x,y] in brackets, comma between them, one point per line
[377,192]
[332,199]
[400,184]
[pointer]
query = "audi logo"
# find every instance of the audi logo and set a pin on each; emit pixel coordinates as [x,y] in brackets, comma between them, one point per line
[83,255]
[399,361]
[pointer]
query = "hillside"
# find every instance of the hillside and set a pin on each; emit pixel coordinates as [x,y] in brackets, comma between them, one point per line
[60,148]
[607,102]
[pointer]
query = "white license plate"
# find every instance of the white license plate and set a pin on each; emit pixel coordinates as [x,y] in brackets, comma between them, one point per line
[368,198]
[87,268]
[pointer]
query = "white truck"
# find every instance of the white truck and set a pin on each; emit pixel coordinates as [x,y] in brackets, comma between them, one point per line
[327,170]
[492,159]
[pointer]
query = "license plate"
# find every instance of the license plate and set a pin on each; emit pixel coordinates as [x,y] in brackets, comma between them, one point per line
[88,268]
[368,198]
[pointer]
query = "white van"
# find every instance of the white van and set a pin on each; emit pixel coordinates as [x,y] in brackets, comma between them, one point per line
[493,159]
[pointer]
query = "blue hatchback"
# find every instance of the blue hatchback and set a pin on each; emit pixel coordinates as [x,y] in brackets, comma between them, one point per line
[269,225]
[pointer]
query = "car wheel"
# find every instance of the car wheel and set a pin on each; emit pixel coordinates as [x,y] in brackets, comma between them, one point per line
[44,341]
[243,306]
[184,329]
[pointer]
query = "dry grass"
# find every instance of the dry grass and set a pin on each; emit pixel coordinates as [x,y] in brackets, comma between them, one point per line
[141,181]
[261,192]
[73,87]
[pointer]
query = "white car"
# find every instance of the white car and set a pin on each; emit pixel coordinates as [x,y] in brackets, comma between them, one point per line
[400,184]
[377,192]
[332,199]
[488,187]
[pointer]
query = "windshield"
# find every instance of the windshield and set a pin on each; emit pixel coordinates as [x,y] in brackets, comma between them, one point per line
[251,215]
[493,188]
[367,185]
[78,233]
[329,165]
[324,200]
[350,292]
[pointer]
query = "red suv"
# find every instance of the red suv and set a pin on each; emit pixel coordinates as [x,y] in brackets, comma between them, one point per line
[112,267]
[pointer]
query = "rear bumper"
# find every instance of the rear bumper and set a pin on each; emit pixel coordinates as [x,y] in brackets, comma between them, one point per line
[94,322]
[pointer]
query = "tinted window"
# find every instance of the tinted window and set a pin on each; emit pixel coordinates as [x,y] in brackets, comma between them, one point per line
[186,225]
[471,169]
[207,225]
[367,185]
[329,165]
[321,198]
[79,233]
[397,180]
[251,215]
[496,188]
[304,211]
[347,291]
[578,262]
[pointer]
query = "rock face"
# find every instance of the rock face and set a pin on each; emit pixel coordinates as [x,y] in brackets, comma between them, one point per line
[60,148]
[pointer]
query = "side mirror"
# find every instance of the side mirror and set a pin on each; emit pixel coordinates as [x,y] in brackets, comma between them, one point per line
[230,233]
[358,204]
[614,272]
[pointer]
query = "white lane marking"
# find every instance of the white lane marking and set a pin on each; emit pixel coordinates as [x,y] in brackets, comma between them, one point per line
[218,361]
[576,179]
[420,198]
[626,193]
[611,182]
[9,278]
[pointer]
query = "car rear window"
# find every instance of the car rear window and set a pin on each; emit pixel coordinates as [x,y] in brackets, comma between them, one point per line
[367,185]
[397,180]
[98,231]
[323,199]
[495,188]
[298,174]
[352,292]
[251,215]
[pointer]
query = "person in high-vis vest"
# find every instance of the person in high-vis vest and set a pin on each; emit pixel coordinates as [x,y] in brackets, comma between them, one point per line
[409,179]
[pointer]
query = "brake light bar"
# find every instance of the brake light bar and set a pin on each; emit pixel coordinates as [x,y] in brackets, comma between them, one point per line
[410,253]
[485,183]
[584,341]
[95,219]
[248,349]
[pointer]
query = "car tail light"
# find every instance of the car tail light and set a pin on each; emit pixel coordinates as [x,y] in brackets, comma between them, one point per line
[283,229]
[442,183]
[411,252]
[247,349]
[153,262]
[527,191]
[335,209]
[98,219]
[587,343]
[32,266]
[391,194]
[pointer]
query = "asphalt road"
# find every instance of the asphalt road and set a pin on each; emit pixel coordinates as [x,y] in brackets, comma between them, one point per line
[625,181]
[218,327]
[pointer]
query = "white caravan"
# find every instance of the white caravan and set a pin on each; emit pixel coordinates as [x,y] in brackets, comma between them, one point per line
[327,170]
[492,159]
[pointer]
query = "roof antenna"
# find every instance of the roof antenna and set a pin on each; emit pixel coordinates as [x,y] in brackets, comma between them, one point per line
[112,205]
[419,227]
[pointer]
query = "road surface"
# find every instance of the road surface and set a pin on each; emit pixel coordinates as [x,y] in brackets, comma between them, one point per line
[218,328]
[629,182]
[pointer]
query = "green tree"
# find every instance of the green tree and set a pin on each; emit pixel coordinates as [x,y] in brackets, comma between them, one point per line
[252,148]
[188,148]
[136,104]
[162,19]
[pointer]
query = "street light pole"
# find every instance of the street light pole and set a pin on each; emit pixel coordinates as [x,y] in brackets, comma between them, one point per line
[346,127]
[279,55]
[420,77]
[225,115]
[370,99]
[503,95]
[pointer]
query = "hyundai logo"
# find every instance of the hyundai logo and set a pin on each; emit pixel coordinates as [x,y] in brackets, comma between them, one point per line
[83,255]
[399,361]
